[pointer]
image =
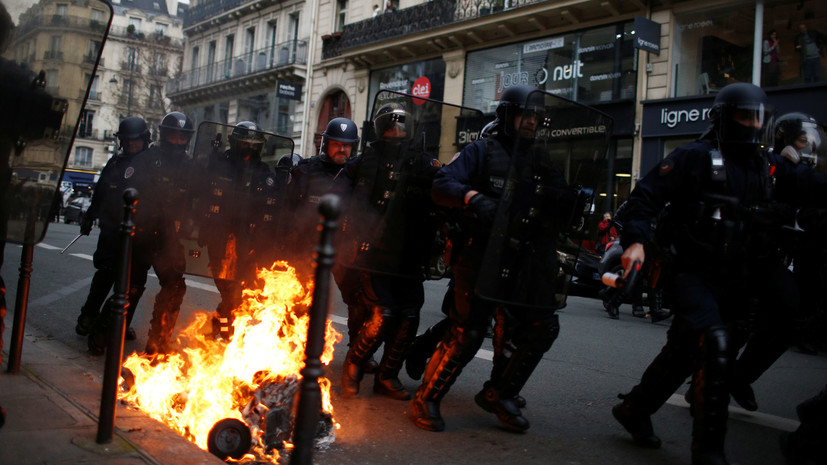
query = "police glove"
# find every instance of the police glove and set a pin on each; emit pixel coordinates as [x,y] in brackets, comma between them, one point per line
[484,207]
[86,226]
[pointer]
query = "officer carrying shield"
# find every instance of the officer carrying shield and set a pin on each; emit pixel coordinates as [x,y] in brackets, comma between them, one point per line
[474,184]
[388,225]
[237,222]
[309,180]
[160,176]
[107,207]
[723,217]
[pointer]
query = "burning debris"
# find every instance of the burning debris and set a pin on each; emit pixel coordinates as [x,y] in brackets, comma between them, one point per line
[236,398]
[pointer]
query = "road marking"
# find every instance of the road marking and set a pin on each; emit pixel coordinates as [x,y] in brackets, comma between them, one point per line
[48,247]
[81,255]
[61,293]
[737,413]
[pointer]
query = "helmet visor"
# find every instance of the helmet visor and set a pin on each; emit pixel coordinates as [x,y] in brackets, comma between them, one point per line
[745,123]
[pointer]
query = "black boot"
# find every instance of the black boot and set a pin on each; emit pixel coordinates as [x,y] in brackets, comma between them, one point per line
[351,377]
[423,347]
[362,349]
[387,382]
[638,311]
[164,316]
[506,409]
[638,424]
[611,304]
[443,370]
[509,373]
[102,283]
[656,311]
[662,377]
[710,400]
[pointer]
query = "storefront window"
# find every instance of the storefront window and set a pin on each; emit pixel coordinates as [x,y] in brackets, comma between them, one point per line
[713,48]
[427,76]
[785,65]
[591,66]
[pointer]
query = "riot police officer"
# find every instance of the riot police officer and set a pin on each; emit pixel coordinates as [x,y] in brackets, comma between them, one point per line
[387,221]
[801,140]
[473,184]
[107,207]
[722,220]
[237,223]
[309,180]
[160,176]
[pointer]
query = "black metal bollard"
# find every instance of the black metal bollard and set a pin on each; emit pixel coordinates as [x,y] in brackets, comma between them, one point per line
[116,312]
[21,302]
[310,394]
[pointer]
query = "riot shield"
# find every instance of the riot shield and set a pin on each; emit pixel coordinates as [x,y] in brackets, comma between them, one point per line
[545,211]
[42,94]
[392,226]
[235,201]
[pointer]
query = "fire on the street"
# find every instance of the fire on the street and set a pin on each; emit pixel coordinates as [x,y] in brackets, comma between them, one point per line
[251,378]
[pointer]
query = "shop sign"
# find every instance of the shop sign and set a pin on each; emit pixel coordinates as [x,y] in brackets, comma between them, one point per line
[647,35]
[675,118]
[421,88]
[288,90]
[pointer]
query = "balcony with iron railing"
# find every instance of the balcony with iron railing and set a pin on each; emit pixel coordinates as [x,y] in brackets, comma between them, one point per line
[52,55]
[94,134]
[218,10]
[157,37]
[127,66]
[289,53]
[30,21]
[415,19]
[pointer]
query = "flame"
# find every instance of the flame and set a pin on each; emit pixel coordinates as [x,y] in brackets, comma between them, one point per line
[207,382]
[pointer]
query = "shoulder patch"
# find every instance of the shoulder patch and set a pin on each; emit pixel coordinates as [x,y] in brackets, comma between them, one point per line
[435,163]
[666,167]
[129,172]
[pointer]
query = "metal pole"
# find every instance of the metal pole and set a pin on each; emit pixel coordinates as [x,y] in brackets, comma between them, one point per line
[116,327]
[310,395]
[21,302]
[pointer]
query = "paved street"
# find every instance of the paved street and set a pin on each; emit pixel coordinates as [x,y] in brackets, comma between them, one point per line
[569,397]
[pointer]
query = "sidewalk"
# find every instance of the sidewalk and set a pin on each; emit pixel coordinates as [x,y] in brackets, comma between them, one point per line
[52,409]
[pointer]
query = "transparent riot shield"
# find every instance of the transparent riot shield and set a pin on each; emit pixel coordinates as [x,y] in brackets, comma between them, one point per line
[392,226]
[236,199]
[42,93]
[557,163]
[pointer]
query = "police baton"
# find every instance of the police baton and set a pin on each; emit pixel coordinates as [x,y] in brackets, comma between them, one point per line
[70,244]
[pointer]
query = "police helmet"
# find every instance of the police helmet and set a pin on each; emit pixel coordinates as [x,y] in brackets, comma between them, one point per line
[389,116]
[133,127]
[246,140]
[800,138]
[515,101]
[739,115]
[175,123]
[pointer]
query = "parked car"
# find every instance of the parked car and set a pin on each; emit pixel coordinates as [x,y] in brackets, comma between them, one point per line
[76,209]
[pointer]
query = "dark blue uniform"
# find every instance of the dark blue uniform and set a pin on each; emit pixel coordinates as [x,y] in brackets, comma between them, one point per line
[311,179]
[721,225]
[161,179]
[484,166]
[390,232]
[238,225]
[107,207]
